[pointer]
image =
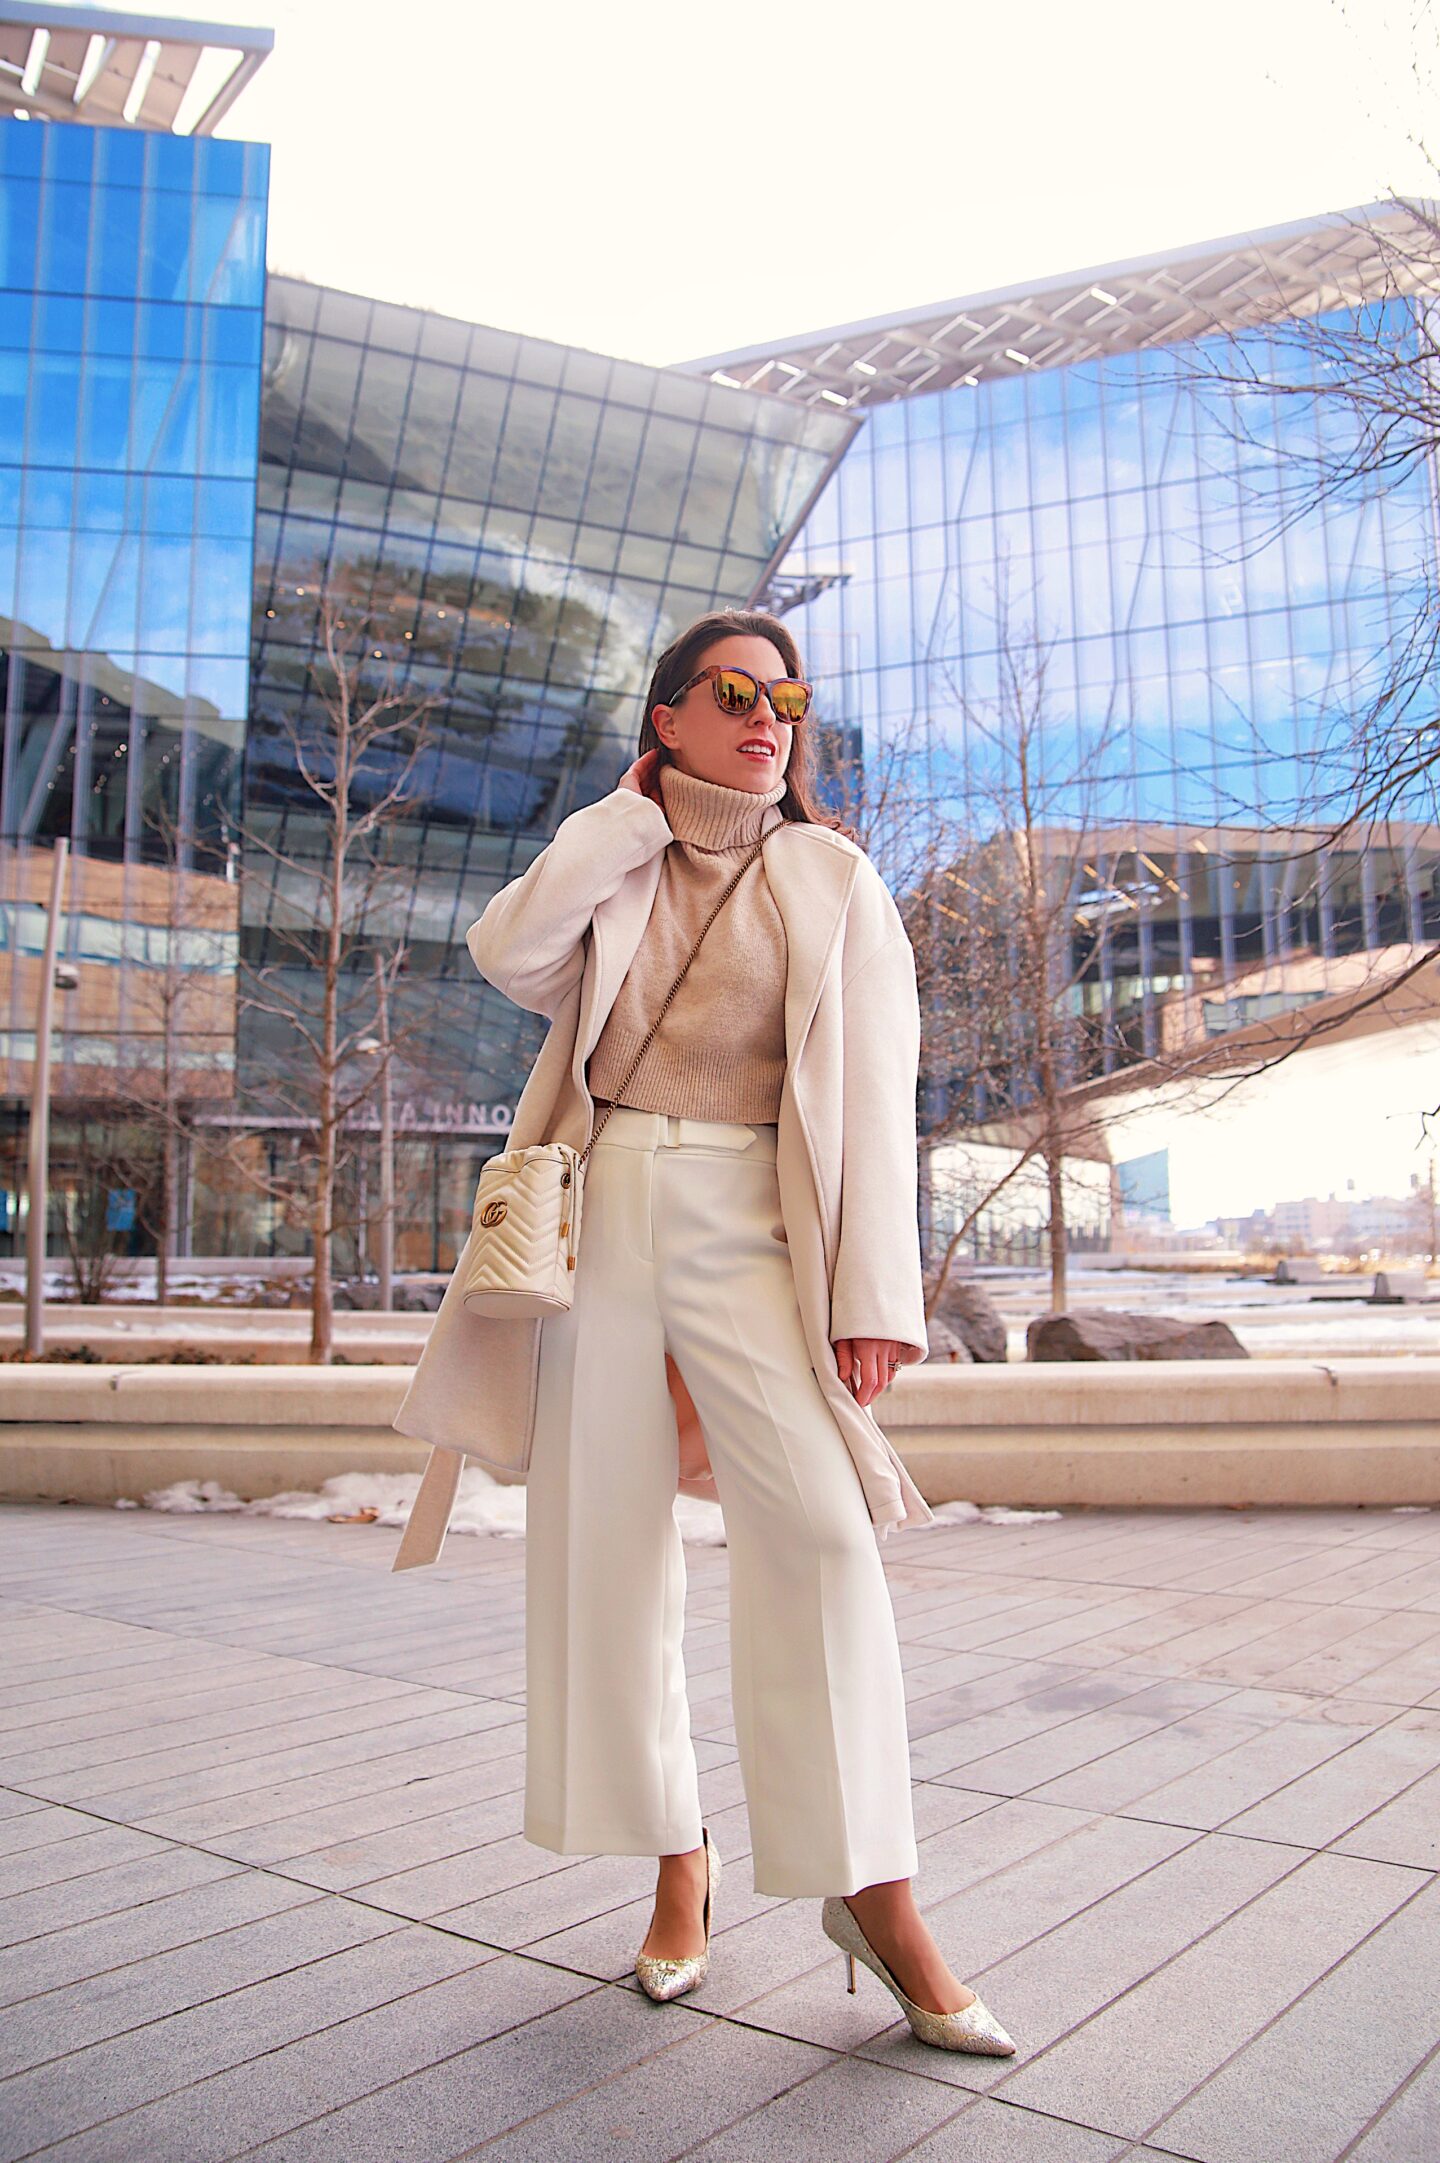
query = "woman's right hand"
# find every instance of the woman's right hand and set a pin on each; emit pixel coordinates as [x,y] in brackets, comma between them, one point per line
[644,776]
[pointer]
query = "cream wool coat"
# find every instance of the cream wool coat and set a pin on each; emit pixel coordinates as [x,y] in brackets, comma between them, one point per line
[559,941]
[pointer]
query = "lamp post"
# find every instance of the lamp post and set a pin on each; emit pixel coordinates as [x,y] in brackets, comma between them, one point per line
[38,1174]
[379,1047]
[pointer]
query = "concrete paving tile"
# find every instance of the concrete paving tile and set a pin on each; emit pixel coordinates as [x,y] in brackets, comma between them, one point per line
[556,1892]
[15,1806]
[478,1875]
[88,1949]
[1409,2126]
[1147,2047]
[849,2112]
[1058,1981]
[1218,1791]
[1324,1804]
[384,1977]
[368,1822]
[112,1712]
[669,2101]
[106,1892]
[1405,1830]
[1409,1679]
[411,1844]
[41,1825]
[992,2130]
[550,2040]
[1297,1670]
[100,1849]
[1268,2106]
[781,1973]
[224,1753]
[79,2014]
[1139,1768]
[233,2112]
[972,1733]
[115,1741]
[378,1737]
[1048,1756]
[278,1802]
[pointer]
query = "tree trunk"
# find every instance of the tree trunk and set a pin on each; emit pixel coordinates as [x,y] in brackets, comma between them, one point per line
[1059,1259]
[322,1298]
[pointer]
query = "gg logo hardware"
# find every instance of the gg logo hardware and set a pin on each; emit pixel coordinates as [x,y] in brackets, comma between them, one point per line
[493,1213]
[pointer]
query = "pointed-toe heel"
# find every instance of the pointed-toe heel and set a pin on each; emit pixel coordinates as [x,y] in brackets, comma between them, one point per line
[665,1979]
[974,2027]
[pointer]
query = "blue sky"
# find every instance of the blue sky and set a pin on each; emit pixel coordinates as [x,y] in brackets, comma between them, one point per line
[661,180]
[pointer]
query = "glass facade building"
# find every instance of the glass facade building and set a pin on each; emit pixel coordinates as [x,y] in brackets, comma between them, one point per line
[132,272]
[1207,638]
[193,461]
[524,526]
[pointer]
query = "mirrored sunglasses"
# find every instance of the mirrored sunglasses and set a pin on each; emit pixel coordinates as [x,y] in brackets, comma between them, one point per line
[738,692]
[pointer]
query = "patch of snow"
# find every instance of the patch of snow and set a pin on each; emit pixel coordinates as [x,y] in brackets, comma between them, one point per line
[994,1513]
[386,1498]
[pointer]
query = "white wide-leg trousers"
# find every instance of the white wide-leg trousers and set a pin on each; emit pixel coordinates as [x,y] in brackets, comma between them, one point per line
[682,1248]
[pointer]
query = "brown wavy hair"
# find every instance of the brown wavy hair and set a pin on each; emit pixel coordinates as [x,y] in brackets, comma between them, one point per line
[685,656]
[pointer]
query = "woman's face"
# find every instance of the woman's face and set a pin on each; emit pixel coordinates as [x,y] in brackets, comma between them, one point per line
[740,751]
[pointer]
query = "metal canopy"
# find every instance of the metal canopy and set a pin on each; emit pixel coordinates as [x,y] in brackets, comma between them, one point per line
[1338,260]
[108,69]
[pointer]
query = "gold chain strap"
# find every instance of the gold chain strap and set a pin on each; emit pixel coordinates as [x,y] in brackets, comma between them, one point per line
[670,994]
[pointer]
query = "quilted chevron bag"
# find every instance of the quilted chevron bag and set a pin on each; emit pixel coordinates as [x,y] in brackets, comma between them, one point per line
[525,1235]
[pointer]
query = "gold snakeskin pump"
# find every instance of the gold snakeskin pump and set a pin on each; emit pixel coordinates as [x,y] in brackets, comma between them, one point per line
[663,1979]
[974,2027]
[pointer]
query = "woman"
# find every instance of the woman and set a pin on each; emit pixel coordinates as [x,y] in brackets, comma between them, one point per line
[749,1260]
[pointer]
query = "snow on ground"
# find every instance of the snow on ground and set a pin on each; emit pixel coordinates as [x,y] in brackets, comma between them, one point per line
[482,1505]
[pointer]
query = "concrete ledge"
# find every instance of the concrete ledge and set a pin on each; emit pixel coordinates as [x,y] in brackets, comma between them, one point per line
[1183,1432]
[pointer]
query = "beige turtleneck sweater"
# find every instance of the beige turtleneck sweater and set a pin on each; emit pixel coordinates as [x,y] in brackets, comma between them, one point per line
[720,1051]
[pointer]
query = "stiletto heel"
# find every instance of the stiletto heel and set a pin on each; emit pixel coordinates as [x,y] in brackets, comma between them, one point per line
[666,1979]
[974,2027]
[850,1971]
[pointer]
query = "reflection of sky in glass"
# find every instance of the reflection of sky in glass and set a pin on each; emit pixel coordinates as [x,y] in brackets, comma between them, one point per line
[1122,510]
[131,291]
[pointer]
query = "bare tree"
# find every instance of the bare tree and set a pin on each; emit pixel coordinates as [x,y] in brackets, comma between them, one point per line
[325,880]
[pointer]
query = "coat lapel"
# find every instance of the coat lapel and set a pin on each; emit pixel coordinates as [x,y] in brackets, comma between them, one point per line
[811,881]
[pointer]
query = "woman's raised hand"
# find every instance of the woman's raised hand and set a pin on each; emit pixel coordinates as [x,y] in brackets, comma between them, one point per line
[643,776]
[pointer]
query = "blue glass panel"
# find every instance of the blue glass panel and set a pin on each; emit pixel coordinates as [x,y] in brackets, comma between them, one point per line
[166,331]
[59,322]
[22,150]
[19,233]
[165,248]
[169,504]
[69,154]
[170,161]
[116,268]
[64,235]
[229,433]
[110,326]
[120,157]
[225,509]
[16,310]
[54,407]
[48,497]
[102,502]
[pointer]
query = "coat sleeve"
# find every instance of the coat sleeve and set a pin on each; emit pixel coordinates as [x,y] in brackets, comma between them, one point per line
[878,1288]
[529,941]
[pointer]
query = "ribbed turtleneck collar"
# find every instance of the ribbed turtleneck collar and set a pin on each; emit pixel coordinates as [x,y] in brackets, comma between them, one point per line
[711,816]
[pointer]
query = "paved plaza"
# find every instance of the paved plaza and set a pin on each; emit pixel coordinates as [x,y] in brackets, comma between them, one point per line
[263,1890]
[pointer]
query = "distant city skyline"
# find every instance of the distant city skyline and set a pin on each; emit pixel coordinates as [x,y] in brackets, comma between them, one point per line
[637,180]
